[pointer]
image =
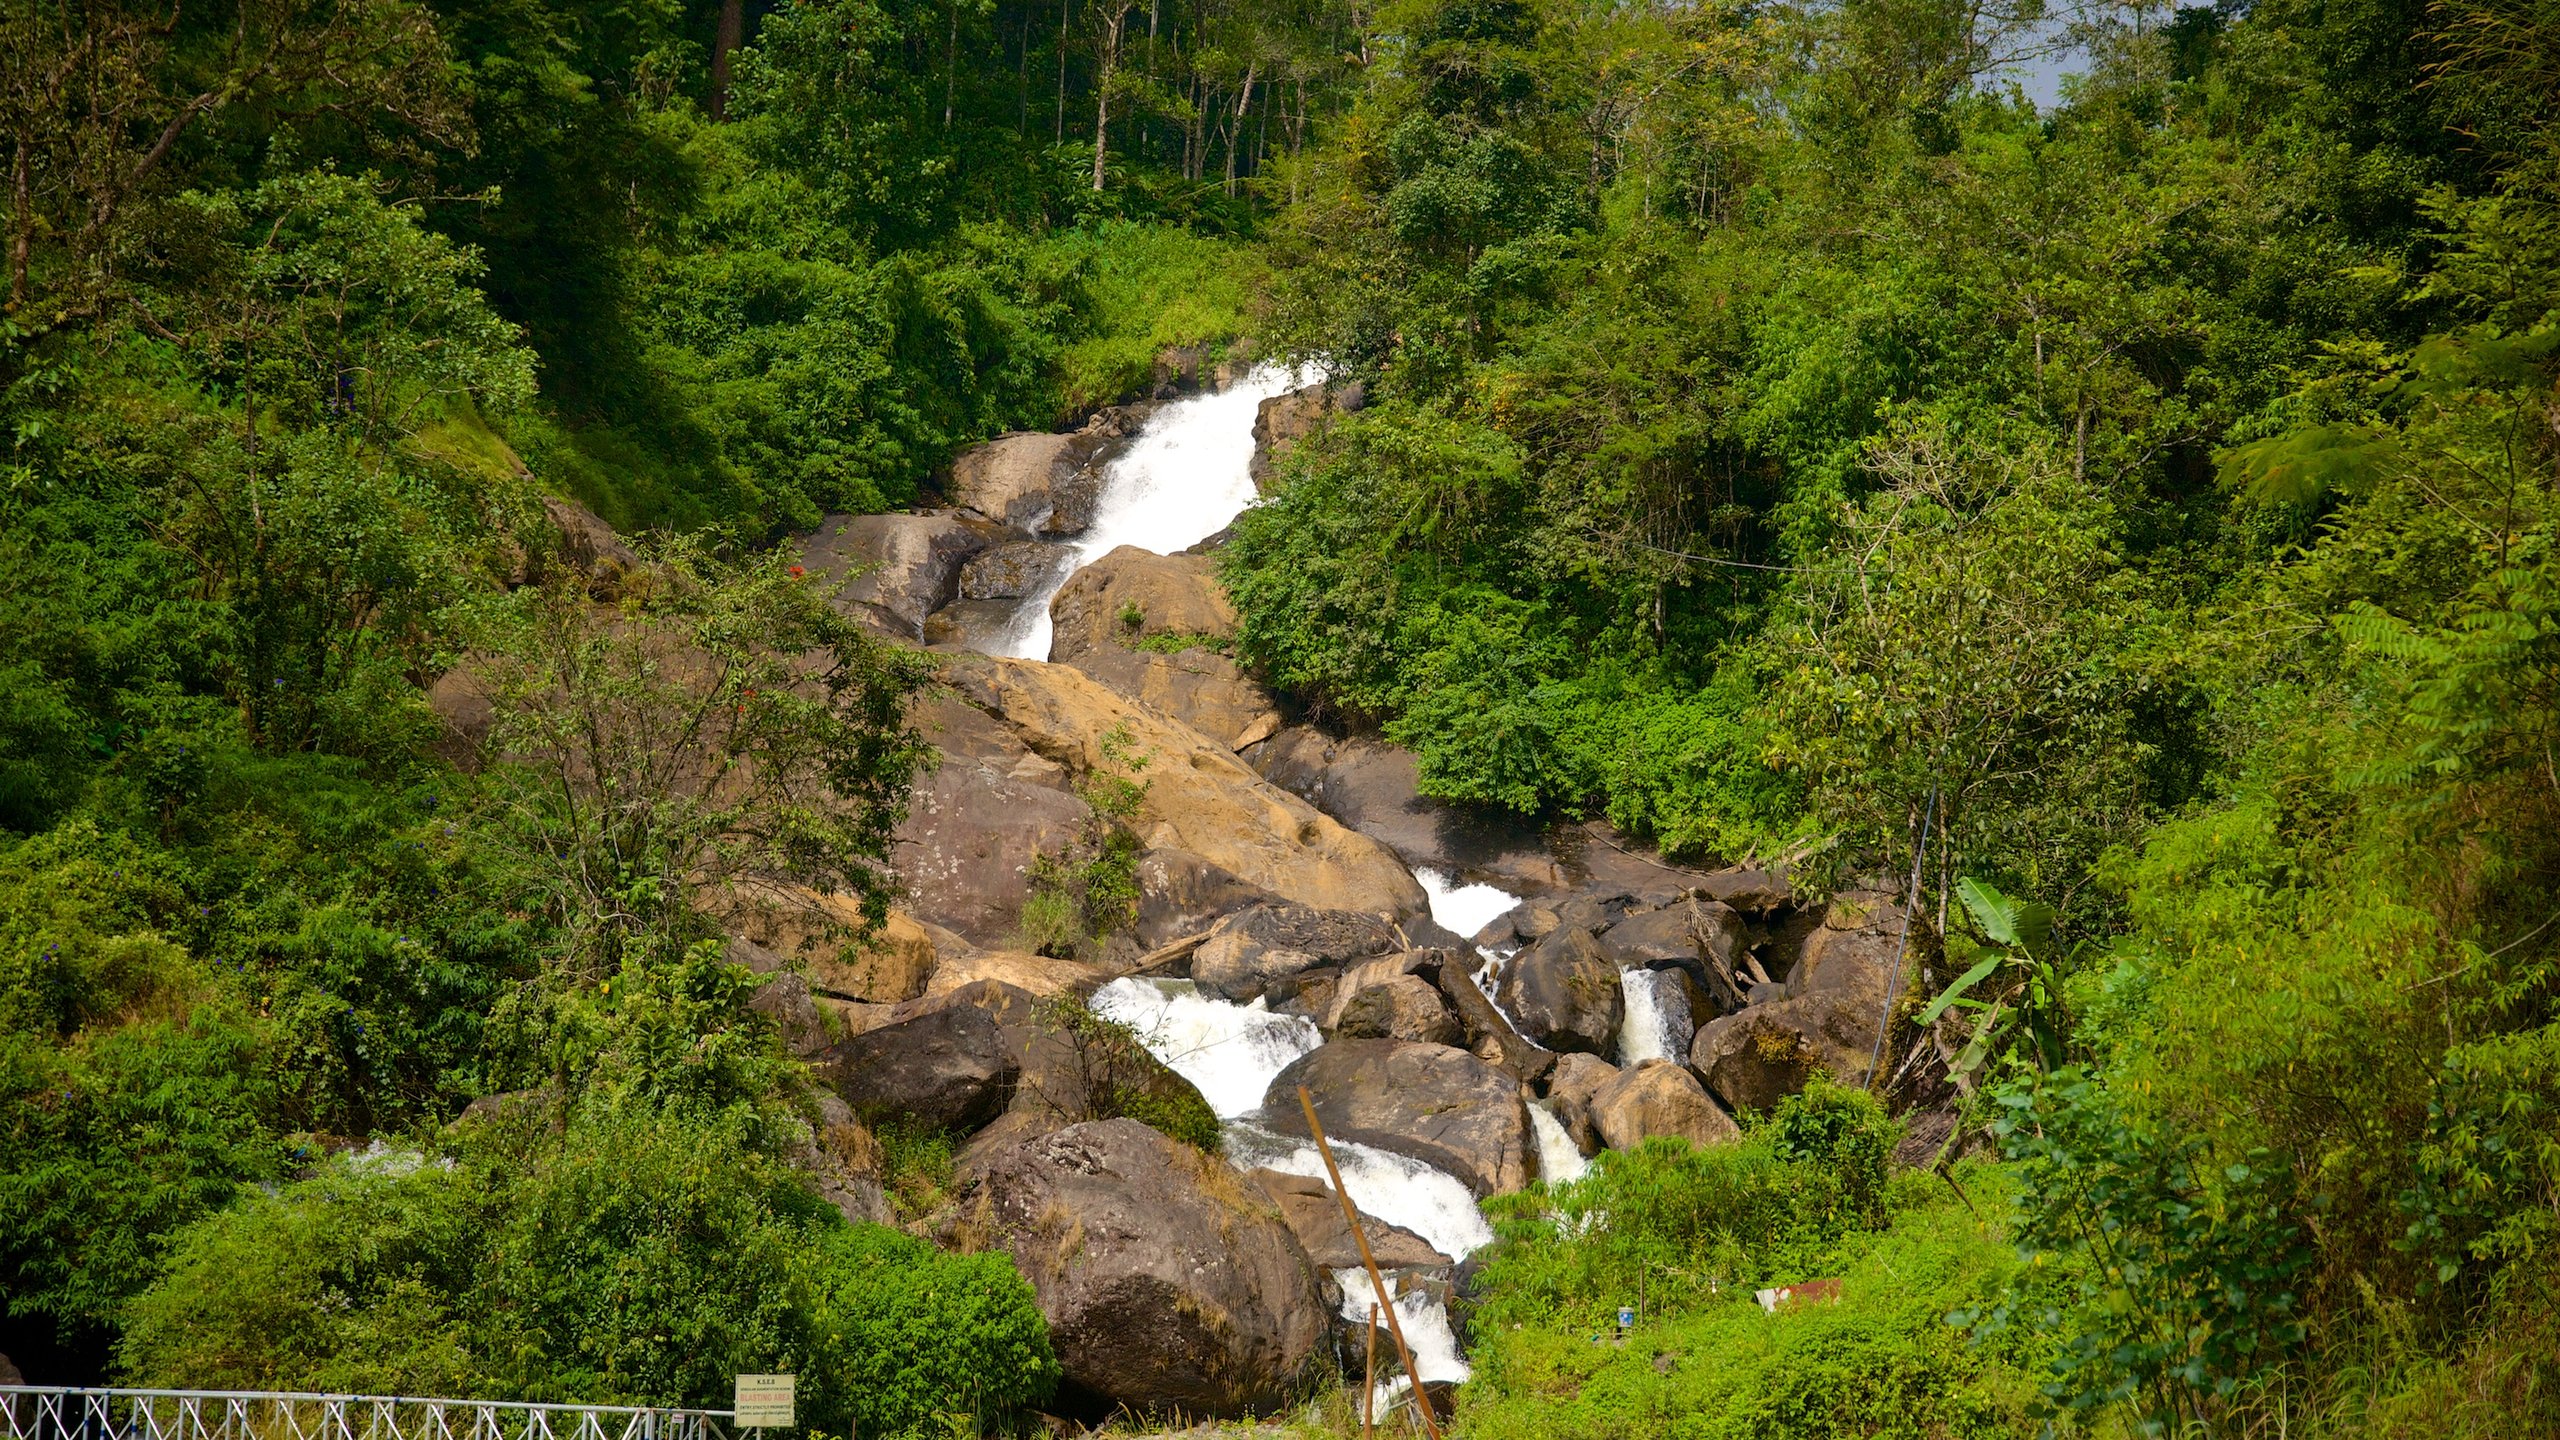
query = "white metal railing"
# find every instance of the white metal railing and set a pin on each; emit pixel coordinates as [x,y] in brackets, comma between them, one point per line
[55,1412]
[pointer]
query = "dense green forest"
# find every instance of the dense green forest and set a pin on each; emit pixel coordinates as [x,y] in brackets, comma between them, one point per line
[1783,439]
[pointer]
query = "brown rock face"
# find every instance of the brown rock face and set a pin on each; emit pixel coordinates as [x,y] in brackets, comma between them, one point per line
[1564,994]
[1753,1058]
[1488,1035]
[941,1069]
[1250,949]
[1180,894]
[1009,571]
[1658,1098]
[1436,1103]
[1175,595]
[1314,1215]
[1405,1008]
[1021,480]
[1166,1283]
[1200,798]
[589,548]
[1374,788]
[1202,689]
[972,831]
[911,564]
[1280,422]
[1570,1086]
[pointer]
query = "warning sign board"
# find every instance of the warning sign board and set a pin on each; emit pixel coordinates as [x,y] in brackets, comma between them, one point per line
[764,1401]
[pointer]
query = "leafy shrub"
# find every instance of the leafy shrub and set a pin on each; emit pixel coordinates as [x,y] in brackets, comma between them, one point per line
[905,1335]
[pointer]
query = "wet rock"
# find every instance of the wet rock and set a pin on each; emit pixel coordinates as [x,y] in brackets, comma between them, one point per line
[1314,1215]
[1021,479]
[1180,894]
[1563,993]
[1570,1086]
[1436,1103]
[1200,798]
[1658,1097]
[944,1068]
[969,624]
[1488,1035]
[910,564]
[1249,949]
[1133,595]
[1405,1008]
[1008,572]
[1166,1284]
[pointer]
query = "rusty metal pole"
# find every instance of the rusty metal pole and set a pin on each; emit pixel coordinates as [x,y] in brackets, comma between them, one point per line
[1377,1283]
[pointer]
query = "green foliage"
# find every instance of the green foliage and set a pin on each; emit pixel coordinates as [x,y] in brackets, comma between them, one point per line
[1088,891]
[1094,1068]
[1685,1235]
[626,1258]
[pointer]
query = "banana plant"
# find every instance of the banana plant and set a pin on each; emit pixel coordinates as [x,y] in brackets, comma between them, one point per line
[2015,935]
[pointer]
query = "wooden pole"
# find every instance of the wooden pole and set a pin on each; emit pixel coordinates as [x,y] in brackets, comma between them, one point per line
[1377,1283]
[1369,1396]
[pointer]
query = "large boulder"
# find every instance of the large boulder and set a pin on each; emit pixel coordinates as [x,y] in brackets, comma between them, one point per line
[1666,936]
[1851,954]
[1180,895]
[1747,888]
[1314,1215]
[1133,595]
[1488,1034]
[905,567]
[1039,975]
[1755,1057]
[1657,1097]
[1407,1007]
[972,833]
[1375,788]
[944,1068]
[1029,481]
[1010,571]
[1168,1285]
[1570,1086]
[1280,422]
[1199,687]
[1199,797]
[1435,1103]
[1248,950]
[1564,994]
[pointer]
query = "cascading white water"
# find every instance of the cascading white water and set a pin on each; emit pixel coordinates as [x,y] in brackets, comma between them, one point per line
[1230,1051]
[1645,1033]
[1559,1159]
[1398,1189]
[1186,475]
[1426,1327]
[1463,909]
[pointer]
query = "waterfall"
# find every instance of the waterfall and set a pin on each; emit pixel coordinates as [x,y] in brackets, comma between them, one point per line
[1559,1159]
[1185,476]
[1398,1189]
[1230,1051]
[1425,1322]
[1645,1033]
[1463,909]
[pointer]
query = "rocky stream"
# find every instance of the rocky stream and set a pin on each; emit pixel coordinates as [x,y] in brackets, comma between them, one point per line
[1473,1005]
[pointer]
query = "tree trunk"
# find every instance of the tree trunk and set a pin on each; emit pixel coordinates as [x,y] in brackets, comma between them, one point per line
[1115,13]
[731,34]
[1235,125]
[22,225]
[1062,70]
[950,63]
